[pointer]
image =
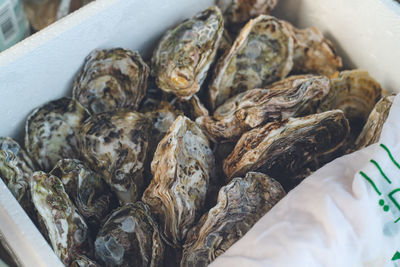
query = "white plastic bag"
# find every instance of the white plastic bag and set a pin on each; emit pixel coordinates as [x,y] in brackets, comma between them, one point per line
[345,214]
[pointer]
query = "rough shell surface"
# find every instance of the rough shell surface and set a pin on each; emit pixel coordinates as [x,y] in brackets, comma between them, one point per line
[291,97]
[83,261]
[51,132]
[241,203]
[90,194]
[181,168]
[313,53]
[24,161]
[260,55]
[66,229]
[130,237]
[115,145]
[354,92]
[373,127]
[290,149]
[110,80]
[184,54]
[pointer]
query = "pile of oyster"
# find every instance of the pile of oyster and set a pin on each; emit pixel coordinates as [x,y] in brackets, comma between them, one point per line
[172,164]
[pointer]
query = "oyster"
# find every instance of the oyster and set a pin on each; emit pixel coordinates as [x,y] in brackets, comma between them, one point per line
[184,54]
[130,237]
[24,161]
[291,97]
[115,145]
[83,261]
[181,168]
[354,92]
[90,194]
[260,55]
[290,149]
[51,130]
[371,132]
[66,230]
[241,203]
[313,53]
[110,80]
[192,108]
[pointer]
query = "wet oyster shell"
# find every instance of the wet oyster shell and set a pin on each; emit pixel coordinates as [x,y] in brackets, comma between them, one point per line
[90,194]
[290,149]
[260,55]
[184,54]
[24,161]
[115,145]
[241,203]
[371,132]
[130,237]
[51,131]
[291,97]
[66,229]
[83,261]
[110,80]
[181,168]
[354,92]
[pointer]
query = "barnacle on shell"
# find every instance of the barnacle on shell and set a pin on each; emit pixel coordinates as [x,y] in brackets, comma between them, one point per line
[110,80]
[241,203]
[288,150]
[51,131]
[130,237]
[291,97]
[115,144]
[182,58]
[261,54]
[181,168]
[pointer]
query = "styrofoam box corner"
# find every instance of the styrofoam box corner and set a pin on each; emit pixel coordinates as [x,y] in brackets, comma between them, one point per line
[42,67]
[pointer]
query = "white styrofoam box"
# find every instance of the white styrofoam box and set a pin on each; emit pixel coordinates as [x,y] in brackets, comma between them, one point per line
[43,66]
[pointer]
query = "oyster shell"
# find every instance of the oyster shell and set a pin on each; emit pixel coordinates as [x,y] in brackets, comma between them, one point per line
[115,145]
[181,168]
[290,149]
[83,261]
[90,194]
[184,54]
[313,53]
[24,161]
[110,80]
[241,203]
[291,97]
[354,92]
[260,55]
[130,237]
[66,230]
[51,130]
[371,132]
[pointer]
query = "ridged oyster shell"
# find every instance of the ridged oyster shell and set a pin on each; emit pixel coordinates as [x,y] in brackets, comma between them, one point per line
[291,97]
[241,203]
[261,54]
[290,149]
[181,168]
[66,229]
[90,194]
[182,58]
[130,237]
[115,145]
[24,161]
[371,132]
[51,131]
[83,261]
[110,80]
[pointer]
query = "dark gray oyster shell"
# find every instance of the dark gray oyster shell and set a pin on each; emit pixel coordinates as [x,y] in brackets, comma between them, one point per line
[110,80]
[90,194]
[289,150]
[65,228]
[291,97]
[371,132]
[51,131]
[261,54]
[130,237]
[182,58]
[83,261]
[24,161]
[182,166]
[241,203]
[115,145]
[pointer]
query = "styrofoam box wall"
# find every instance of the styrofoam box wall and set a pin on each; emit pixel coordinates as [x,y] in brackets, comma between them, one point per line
[42,67]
